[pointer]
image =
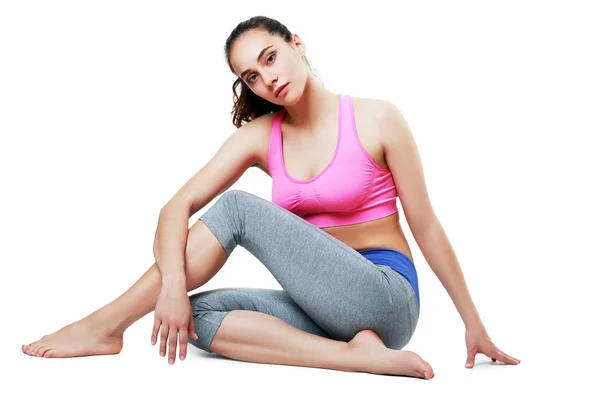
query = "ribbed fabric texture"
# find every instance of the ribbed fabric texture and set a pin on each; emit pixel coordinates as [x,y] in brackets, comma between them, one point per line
[350,190]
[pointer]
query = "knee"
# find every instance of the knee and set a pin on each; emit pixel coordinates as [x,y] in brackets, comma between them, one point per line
[209,300]
[230,201]
[236,197]
[199,303]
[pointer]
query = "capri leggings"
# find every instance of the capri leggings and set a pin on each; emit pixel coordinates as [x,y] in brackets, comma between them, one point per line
[329,289]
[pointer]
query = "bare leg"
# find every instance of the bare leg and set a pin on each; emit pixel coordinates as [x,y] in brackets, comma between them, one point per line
[257,337]
[102,331]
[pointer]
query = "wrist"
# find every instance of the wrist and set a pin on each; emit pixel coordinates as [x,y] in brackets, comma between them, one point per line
[173,281]
[473,321]
[474,324]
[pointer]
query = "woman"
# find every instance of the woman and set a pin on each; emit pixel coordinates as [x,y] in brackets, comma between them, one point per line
[331,237]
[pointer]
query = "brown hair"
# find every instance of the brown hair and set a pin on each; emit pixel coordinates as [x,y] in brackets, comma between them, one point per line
[248,105]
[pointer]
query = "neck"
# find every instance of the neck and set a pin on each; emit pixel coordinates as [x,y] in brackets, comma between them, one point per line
[314,108]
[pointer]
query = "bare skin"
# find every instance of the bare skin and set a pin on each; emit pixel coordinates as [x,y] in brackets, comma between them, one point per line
[319,145]
[102,331]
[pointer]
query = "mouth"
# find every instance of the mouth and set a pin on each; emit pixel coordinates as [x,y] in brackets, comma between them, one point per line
[280,89]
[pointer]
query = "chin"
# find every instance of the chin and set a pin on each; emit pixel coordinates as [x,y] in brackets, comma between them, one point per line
[290,99]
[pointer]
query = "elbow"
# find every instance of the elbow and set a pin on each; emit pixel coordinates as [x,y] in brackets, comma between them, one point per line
[175,205]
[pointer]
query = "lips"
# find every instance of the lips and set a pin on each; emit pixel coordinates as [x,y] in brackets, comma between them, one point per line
[280,89]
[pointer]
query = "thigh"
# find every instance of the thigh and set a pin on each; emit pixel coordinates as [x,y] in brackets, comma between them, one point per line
[342,291]
[210,308]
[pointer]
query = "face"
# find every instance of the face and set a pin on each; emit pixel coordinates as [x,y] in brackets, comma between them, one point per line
[281,63]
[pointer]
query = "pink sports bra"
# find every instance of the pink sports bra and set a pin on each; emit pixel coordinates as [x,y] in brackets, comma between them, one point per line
[350,190]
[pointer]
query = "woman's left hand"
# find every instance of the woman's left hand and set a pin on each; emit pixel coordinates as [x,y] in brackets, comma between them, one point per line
[478,341]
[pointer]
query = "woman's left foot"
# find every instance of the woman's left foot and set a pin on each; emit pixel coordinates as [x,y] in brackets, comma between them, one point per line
[371,355]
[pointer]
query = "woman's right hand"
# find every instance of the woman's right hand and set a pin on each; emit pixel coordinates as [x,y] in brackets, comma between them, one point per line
[173,317]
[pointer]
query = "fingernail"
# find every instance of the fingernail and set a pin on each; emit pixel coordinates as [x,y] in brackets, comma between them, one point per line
[153,342]
[171,361]
[181,358]
[162,353]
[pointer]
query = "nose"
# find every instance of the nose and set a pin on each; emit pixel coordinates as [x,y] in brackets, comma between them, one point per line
[272,79]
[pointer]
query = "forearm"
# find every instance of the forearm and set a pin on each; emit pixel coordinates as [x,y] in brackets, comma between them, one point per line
[440,256]
[170,242]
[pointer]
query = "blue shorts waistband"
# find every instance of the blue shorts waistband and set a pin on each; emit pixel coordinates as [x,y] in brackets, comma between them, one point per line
[397,261]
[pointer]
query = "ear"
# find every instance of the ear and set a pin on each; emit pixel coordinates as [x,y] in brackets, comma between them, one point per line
[299,44]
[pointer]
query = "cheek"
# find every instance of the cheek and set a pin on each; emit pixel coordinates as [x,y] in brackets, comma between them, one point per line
[290,67]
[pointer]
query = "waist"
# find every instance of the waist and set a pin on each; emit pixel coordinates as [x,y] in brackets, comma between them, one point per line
[380,233]
[387,256]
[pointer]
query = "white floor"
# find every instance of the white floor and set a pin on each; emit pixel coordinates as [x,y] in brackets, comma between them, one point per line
[138,372]
[553,343]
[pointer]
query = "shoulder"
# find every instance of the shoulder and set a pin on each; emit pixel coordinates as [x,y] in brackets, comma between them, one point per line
[374,110]
[383,115]
[256,135]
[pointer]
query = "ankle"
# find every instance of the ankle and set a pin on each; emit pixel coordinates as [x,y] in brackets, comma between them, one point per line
[352,359]
[104,326]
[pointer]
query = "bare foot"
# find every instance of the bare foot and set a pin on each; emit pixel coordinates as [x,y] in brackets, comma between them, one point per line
[376,358]
[78,339]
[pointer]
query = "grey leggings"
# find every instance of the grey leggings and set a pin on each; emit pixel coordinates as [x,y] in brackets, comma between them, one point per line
[329,289]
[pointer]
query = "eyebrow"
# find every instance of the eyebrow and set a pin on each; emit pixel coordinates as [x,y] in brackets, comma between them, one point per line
[257,60]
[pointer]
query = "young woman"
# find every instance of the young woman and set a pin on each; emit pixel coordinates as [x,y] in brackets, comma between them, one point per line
[331,235]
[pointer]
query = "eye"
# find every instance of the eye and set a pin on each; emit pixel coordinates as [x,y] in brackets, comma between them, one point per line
[250,78]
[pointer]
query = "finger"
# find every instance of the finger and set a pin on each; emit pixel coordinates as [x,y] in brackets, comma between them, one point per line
[172,345]
[183,339]
[155,329]
[470,358]
[164,333]
[192,330]
[514,360]
[505,358]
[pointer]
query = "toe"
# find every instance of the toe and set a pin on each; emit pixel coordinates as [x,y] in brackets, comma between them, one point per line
[43,351]
[37,350]
[40,349]
[427,371]
[33,348]
[430,374]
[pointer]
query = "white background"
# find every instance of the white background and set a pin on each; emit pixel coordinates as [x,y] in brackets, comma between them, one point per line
[108,108]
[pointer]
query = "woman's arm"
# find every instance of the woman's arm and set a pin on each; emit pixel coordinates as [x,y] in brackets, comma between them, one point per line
[238,152]
[440,256]
[403,159]
[170,242]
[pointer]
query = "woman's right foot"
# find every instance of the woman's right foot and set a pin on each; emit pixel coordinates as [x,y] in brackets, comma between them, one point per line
[80,338]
